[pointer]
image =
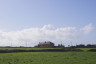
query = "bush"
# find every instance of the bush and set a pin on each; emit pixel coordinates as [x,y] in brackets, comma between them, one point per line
[92,50]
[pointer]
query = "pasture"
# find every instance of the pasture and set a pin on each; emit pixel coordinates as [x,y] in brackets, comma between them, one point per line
[4,48]
[48,58]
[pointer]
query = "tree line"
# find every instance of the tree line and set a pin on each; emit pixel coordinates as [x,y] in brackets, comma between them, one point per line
[84,46]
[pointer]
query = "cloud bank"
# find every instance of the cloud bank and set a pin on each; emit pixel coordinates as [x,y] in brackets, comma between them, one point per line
[87,29]
[32,36]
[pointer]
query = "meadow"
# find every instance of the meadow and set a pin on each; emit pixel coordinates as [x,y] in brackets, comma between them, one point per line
[48,58]
[25,48]
[4,48]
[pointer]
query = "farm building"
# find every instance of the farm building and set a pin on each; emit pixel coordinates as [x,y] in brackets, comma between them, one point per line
[45,44]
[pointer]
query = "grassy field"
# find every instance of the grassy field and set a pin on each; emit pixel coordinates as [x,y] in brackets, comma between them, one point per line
[26,48]
[86,49]
[48,58]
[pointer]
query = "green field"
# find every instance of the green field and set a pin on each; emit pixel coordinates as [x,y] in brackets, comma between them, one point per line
[86,49]
[48,58]
[26,48]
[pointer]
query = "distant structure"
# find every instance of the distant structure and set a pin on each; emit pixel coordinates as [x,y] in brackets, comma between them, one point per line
[46,44]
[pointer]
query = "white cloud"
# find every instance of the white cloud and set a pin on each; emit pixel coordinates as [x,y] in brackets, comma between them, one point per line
[87,29]
[47,33]
[48,27]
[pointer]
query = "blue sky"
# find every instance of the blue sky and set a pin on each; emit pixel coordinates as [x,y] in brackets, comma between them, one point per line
[20,14]
[23,14]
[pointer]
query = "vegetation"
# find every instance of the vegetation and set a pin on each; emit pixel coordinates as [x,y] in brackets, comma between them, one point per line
[84,46]
[39,50]
[51,57]
[86,49]
[48,58]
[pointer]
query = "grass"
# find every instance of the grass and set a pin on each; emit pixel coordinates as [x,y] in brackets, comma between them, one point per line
[86,49]
[48,58]
[26,48]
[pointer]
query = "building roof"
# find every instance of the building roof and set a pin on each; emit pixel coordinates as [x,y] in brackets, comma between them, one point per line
[46,42]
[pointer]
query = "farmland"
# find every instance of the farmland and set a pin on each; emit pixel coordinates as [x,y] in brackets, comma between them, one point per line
[48,58]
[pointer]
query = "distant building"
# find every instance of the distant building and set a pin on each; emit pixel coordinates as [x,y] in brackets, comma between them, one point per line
[46,44]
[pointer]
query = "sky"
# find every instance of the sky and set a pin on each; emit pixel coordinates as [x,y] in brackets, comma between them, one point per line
[33,21]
